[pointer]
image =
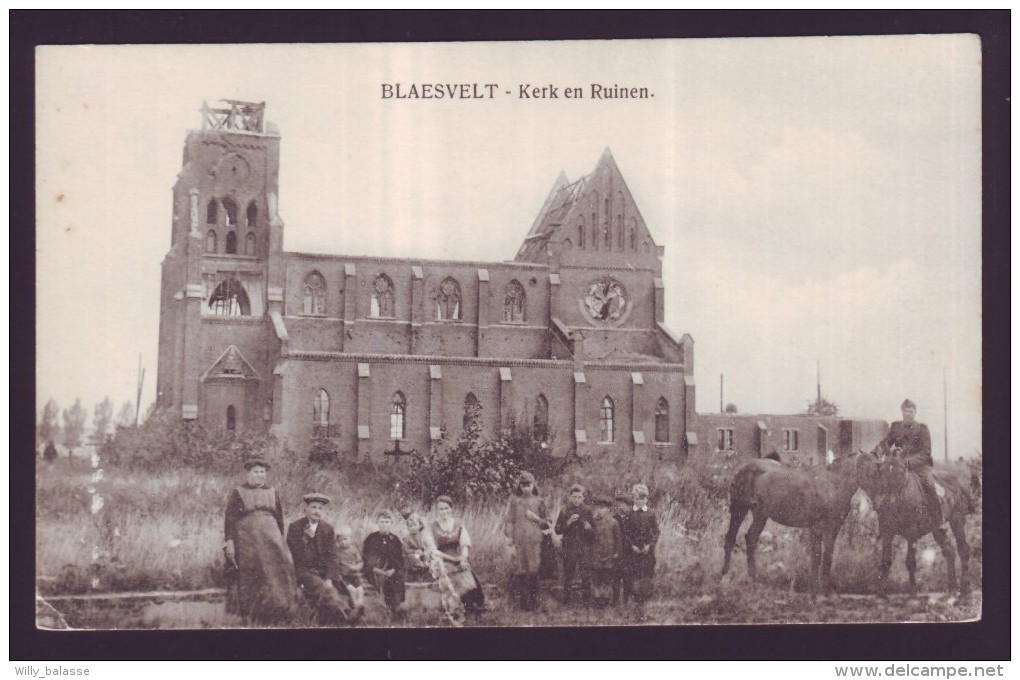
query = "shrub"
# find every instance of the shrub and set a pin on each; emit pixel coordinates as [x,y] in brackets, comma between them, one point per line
[165,441]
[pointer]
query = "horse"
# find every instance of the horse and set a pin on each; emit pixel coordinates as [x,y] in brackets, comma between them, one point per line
[896,494]
[816,498]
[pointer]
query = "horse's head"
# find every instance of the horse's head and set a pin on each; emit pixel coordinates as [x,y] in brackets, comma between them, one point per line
[844,465]
[881,471]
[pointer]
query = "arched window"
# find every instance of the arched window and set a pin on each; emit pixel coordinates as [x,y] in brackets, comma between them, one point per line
[211,212]
[606,424]
[210,241]
[382,298]
[231,243]
[230,208]
[580,231]
[607,237]
[397,416]
[633,234]
[448,306]
[231,418]
[315,295]
[229,299]
[513,303]
[472,413]
[253,215]
[320,409]
[249,244]
[594,230]
[620,237]
[662,420]
[540,429]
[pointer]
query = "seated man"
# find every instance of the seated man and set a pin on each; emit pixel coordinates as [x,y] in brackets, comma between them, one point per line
[313,546]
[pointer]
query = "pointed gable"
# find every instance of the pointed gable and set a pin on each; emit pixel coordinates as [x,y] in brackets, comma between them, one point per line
[593,220]
[231,365]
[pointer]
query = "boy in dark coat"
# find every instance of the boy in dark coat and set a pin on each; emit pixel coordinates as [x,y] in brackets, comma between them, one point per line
[621,508]
[312,544]
[384,562]
[607,544]
[575,525]
[640,535]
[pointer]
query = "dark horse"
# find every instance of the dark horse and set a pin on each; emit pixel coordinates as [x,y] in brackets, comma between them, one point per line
[816,498]
[898,498]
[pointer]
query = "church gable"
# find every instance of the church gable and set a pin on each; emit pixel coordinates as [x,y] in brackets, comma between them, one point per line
[593,220]
[231,365]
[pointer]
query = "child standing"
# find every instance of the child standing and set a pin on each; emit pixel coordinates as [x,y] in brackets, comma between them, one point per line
[607,545]
[575,525]
[384,561]
[640,535]
[351,564]
[621,508]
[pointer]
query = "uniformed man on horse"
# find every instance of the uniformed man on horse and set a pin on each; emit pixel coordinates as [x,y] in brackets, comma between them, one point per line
[913,441]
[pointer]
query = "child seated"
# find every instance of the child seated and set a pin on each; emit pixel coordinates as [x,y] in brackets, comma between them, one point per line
[351,564]
[384,561]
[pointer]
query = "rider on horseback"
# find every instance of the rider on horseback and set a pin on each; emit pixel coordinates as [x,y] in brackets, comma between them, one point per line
[913,442]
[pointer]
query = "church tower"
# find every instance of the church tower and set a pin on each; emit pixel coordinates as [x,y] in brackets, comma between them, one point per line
[222,277]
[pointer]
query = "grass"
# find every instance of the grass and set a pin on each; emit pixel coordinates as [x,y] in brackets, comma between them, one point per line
[163,531]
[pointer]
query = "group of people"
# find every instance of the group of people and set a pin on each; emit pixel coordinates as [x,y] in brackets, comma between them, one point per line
[608,546]
[268,566]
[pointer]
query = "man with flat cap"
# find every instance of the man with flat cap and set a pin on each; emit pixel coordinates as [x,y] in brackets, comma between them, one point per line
[913,441]
[312,543]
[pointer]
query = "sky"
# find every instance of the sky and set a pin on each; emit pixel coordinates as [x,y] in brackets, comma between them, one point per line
[819,199]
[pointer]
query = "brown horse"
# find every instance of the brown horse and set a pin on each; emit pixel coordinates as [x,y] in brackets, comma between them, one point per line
[816,498]
[898,497]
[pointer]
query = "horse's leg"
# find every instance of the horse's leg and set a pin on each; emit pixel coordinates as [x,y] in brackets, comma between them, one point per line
[957,523]
[737,514]
[885,564]
[828,545]
[757,526]
[949,555]
[815,538]
[912,564]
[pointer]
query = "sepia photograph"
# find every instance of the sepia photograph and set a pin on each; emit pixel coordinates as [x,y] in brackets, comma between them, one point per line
[671,332]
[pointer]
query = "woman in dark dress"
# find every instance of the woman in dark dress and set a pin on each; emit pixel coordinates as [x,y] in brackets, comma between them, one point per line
[263,588]
[454,546]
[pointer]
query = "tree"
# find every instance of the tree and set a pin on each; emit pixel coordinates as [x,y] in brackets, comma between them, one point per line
[126,416]
[822,407]
[74,425]
[102,419]
[48,428]
[730,408]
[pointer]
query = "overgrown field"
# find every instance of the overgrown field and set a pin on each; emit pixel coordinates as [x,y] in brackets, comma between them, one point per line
[110,530]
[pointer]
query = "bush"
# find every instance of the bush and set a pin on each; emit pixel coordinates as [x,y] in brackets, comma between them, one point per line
[165,441]
[475,468]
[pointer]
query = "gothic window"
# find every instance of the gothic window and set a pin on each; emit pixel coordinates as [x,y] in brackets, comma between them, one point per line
[594,230]
[249,244]
[448,306]
[382,298]
[231,243]
[210,241]
[211,212]
[513,303]
[662,420]
[230,208]
[472,413]
[397,416]
[315,295]
[540,429]
[580,231]
[607,238]
[633,234]
[252,215]
[229,299]
[320,409]
[231,418]
[606,423]
[620,237]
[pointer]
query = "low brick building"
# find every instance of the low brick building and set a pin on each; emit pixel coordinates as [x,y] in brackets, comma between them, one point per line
[566,339]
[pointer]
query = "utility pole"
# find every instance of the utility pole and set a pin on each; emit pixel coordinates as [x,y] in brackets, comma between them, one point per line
[141,379]
[818,385]
[945,417]
[721,410]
